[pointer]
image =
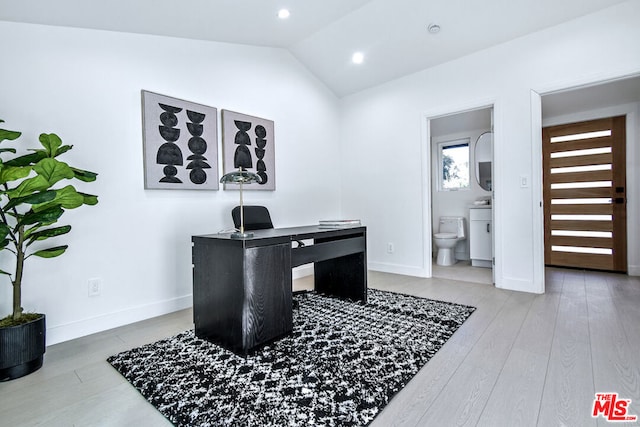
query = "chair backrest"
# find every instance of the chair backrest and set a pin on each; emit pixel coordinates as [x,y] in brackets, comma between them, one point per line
[255,218]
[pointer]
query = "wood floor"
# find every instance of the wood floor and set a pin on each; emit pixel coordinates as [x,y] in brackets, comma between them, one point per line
[519,360]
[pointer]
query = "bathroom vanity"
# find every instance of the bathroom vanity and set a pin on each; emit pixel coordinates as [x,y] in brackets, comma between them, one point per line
[480,239]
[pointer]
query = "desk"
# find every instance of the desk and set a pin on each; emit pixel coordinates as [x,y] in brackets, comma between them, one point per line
[242,295]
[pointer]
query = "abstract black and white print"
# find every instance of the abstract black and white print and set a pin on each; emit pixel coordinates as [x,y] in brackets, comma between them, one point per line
[340,366]
[249,143]
[180,143]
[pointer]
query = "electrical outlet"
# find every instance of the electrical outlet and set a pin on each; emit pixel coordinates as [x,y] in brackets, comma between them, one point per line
[390,248]
[95,287]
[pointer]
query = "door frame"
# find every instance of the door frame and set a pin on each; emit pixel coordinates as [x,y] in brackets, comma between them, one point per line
[427,211]
[537,190]
[633,176]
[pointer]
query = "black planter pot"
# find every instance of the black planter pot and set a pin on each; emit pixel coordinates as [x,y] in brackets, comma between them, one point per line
[22,349]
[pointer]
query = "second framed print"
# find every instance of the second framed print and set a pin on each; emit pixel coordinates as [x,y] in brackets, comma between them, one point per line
[248,142]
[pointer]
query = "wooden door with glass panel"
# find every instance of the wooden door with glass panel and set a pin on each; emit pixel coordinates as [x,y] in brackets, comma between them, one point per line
[584,195]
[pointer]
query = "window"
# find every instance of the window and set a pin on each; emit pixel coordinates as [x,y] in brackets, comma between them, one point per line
[453,160]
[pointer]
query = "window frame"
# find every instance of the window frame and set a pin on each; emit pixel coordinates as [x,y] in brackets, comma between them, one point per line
[448,144]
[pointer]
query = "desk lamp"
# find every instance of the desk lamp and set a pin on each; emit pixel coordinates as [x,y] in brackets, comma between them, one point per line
[240,177]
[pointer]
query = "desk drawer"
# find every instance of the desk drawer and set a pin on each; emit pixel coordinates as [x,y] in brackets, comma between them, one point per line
[327,250]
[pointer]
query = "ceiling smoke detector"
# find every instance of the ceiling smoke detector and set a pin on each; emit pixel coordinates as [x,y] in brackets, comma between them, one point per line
[434,28]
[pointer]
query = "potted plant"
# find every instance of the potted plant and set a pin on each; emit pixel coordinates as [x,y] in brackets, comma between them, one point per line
[33,197]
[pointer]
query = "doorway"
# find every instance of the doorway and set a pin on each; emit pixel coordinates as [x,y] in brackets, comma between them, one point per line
[461,178]
[584,195]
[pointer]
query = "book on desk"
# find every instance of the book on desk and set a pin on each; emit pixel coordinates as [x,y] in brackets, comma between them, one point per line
[339,223]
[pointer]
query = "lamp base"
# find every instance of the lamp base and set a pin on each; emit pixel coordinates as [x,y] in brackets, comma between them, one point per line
[239,235]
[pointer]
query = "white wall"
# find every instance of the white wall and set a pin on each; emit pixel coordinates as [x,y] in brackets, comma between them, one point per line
[383,136]
[85,86]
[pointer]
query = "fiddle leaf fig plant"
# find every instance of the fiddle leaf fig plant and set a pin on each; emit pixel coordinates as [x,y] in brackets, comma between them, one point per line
[33,198]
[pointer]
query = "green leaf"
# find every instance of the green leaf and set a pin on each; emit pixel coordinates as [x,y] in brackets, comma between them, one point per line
[46,217]
[53,170]
[51,252]
[4,230]
[4,272]
[63,149]
[29,186]
[12,173]
[66,197]
[32,199]
[27,159]
[84,175]
[48,233]
[4,243]
[7,150]
[50,142]
[89,199]
[9,135]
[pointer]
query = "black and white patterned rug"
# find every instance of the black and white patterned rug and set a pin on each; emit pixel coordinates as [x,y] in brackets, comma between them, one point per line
[341,365]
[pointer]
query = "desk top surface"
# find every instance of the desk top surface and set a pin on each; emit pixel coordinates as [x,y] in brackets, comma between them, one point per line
[291,233]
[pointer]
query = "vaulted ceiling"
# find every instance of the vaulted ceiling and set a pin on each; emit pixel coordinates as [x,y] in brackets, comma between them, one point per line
[323,34]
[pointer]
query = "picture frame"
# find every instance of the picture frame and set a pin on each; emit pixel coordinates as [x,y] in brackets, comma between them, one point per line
[180,143]
[249,142]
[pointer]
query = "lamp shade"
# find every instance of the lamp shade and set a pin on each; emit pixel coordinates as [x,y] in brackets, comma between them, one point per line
[240,177]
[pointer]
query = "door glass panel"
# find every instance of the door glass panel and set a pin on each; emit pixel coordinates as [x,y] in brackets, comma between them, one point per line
[579,136]
[592,184]
[582,250]
[585,152]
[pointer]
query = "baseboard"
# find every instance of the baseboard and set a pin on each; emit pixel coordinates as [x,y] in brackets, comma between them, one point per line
[65,332]
[633,270]
[397,269]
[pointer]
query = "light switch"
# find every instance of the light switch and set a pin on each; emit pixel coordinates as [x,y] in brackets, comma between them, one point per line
[524,181]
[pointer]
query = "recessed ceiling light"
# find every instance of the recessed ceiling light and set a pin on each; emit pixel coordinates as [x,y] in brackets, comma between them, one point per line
[434,28]
[357,58]
[283,13]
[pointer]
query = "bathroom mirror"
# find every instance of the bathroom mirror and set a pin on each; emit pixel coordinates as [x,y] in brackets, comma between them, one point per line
[483,156]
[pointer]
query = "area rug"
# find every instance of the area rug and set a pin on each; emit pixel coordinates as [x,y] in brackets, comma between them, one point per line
[341,365]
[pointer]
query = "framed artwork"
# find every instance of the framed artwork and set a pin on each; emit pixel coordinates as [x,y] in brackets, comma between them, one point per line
[180,143]
[249,142]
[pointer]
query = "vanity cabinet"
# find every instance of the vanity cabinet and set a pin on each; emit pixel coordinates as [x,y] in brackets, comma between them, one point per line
[480,240]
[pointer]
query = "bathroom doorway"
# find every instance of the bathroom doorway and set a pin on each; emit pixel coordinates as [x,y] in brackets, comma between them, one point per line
[461,162]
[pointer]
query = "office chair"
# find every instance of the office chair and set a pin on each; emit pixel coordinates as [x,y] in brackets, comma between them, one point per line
[255,218]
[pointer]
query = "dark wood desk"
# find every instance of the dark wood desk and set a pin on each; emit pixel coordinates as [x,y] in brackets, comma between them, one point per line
[242,295]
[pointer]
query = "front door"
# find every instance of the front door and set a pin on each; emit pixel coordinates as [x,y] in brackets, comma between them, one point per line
[585,216]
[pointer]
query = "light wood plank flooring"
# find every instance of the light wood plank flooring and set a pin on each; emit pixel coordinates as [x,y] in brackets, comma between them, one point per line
[462,270]
[519,360]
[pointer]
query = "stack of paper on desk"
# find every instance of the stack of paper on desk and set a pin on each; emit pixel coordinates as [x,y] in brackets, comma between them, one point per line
[339,223]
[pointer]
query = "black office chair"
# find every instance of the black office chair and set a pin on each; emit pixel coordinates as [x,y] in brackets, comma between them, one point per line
[255,218]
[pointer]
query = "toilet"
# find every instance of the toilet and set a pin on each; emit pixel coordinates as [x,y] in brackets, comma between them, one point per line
[450,232]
